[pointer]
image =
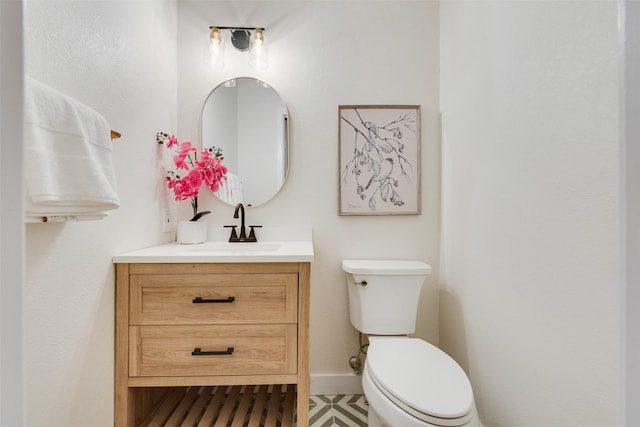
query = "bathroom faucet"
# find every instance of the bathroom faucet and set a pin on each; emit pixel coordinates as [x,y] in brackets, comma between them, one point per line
[240,207]
[243,232]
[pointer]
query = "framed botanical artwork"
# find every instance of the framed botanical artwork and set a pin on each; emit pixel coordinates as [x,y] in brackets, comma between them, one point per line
[379,151]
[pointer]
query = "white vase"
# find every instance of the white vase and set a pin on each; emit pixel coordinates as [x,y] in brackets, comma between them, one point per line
[190,232]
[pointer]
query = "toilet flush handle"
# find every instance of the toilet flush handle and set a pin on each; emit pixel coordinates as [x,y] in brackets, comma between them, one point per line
[363,283]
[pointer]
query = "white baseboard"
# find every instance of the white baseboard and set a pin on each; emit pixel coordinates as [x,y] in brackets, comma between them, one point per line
[335,384]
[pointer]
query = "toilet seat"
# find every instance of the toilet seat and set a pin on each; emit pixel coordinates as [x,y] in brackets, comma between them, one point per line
[420,379]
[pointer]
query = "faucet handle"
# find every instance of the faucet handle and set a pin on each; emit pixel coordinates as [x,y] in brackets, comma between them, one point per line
[252,233]
[234,235]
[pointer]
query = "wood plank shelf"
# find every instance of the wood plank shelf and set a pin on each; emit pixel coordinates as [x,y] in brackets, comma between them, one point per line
[225,406]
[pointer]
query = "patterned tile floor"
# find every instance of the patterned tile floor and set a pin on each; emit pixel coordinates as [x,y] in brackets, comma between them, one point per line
[338,410]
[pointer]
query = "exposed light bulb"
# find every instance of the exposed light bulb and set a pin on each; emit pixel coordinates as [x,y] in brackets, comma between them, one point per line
[258,57]
[216,36]
[258,37]
[215,51]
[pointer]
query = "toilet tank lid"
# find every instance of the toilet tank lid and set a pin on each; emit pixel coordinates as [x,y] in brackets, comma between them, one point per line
[385,267]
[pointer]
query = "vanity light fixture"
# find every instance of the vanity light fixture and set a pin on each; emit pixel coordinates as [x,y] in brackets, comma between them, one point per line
[242,39]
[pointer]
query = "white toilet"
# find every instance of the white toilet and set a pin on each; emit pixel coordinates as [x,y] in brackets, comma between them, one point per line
[407,381]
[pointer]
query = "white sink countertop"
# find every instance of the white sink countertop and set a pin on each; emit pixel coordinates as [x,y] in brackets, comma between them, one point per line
[274,244]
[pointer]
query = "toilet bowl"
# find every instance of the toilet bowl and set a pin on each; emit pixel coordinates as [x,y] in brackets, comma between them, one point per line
[411,383]
[407,381]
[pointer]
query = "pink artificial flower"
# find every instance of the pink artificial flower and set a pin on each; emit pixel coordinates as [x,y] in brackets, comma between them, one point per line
[173,140]
[180,159]
[212,170]
[186,147]
[177,186]
[209,170]
[194,179]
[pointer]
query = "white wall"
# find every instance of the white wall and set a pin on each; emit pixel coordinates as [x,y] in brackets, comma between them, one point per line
[630,299]
[530,249]
[531,259]
[325,54]
[119,58]
[11,230]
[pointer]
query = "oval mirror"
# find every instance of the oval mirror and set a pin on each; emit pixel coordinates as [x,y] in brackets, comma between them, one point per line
[248,120]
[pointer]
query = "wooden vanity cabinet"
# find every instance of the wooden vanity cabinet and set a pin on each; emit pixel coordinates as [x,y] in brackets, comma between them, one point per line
[208,324]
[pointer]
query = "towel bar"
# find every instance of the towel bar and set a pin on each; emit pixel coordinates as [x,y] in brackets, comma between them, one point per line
[36,219]
[63,218]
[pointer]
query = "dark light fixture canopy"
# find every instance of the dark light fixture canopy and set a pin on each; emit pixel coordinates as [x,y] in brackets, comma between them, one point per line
[241,39]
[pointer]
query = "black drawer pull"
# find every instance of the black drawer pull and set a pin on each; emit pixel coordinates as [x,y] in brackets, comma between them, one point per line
[198,352]
[200,300]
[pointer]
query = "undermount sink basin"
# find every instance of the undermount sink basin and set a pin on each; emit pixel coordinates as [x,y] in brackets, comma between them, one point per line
[230,248]
[276,246]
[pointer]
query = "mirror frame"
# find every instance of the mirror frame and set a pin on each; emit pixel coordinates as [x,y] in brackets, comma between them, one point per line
[287,156]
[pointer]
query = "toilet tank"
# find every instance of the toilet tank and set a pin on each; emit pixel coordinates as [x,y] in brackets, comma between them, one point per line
[388,303]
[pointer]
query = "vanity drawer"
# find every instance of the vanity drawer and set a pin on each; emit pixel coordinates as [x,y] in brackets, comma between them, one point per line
[212,350]
[183,299]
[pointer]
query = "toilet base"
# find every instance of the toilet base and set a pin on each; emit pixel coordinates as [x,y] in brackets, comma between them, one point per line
[374,420]
[384,413]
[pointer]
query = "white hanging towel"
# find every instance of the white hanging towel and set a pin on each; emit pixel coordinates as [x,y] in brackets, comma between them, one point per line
[230,190]
[68,157]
